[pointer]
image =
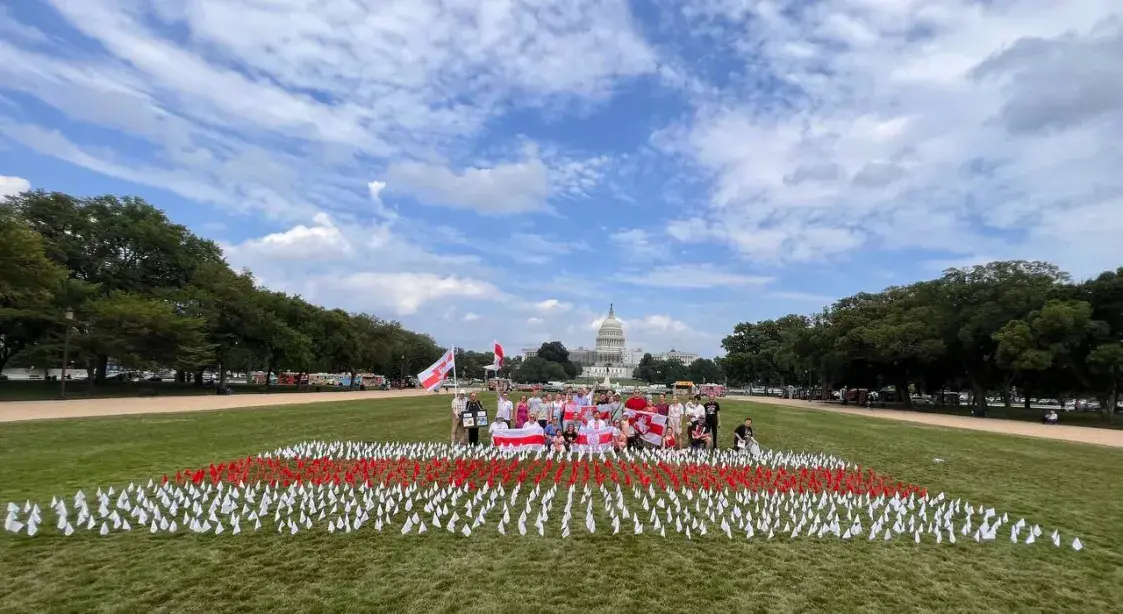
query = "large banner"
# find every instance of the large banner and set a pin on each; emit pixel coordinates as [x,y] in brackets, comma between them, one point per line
[648,425]
[531,438]
[594,440]
[578,413]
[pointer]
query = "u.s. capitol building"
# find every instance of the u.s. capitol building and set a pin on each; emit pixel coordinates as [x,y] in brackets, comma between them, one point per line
[611,356]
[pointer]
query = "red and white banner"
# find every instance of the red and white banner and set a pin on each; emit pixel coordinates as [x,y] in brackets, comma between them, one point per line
[498,362]
[648,425]
[531,438]
[594,440]
[432,377]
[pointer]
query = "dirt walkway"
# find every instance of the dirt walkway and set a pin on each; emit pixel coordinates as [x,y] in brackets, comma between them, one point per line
[1060,432]
[85,408]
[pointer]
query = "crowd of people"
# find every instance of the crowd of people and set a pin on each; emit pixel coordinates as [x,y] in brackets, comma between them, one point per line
[694,424]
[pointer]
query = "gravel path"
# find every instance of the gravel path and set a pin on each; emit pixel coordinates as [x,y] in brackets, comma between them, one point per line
[86,408]
[1060,432]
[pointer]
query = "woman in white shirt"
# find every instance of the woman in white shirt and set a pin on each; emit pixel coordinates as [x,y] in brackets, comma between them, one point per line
[693,410]
[674,417]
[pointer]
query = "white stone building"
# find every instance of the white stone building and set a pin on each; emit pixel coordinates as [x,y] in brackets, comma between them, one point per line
[611,355]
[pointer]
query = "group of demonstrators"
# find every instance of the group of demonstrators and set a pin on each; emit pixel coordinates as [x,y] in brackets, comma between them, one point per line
[570,419]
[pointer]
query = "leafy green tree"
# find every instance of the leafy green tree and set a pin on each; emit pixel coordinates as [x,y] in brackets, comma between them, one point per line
[30,284]
[114,245]
[704,370]
[555,352]
[976,303]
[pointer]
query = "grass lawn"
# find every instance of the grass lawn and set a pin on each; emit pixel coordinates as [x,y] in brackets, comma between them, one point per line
[40,390]
[1077,488]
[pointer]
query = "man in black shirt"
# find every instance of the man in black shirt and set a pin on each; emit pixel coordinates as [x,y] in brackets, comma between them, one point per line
[743,435]
[711,409]
[473,407]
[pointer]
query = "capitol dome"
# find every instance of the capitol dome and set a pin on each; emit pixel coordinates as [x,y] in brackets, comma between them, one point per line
[610,339]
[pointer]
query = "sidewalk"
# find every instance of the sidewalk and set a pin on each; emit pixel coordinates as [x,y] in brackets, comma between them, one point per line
[85,408]
[1059,432]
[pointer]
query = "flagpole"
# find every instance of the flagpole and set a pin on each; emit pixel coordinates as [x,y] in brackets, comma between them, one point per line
[455,383]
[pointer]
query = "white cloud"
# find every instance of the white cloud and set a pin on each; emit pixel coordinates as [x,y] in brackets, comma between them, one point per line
[691,276]
[471,317]
[273,107]
[10,186]
[661,324]
[405,293]
[517,187]
[907,125]
[534,321]
[638,244]
[553,305]
[321,242]
[374,188]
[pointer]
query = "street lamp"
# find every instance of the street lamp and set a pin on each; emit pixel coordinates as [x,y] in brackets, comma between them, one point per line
[402,381]
[65,353]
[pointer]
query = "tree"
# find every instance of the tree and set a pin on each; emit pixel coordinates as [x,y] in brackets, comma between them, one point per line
[977,302]
[555,352]
[114,245]
[646,369]
[29,286]
[669,371]
[138,330]
[704,370]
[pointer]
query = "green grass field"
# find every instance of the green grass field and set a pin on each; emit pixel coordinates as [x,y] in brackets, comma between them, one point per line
[1078,488]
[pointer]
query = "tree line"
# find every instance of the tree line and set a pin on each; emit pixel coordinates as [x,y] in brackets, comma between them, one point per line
[552,364]
[149,294]
[986,328]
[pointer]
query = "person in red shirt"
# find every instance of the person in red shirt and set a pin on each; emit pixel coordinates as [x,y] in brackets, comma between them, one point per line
[636,402]
[662,406]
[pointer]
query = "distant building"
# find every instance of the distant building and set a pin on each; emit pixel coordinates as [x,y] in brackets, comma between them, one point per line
[685,357]
[611,355]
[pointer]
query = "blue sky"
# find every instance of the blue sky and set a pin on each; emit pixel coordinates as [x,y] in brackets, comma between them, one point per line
[486,169]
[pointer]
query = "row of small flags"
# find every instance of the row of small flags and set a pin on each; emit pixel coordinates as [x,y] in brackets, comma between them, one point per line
[513,506]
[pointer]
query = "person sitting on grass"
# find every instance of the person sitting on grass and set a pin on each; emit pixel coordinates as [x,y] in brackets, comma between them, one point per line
[669,441]
[619,439]
[629,433]
[551,430]
[558,442]
[699,436]
[743,435]
[1051,417]
[570,434]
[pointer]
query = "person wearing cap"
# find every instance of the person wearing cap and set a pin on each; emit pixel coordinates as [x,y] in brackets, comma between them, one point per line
[459,404]
[583,399]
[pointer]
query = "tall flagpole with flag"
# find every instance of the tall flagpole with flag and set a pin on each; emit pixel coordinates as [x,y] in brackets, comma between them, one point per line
[455,382]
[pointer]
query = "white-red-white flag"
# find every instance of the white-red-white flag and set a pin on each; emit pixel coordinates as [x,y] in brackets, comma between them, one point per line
[594,440]
[498,362]
[648,425]
[432,377]
[531,438]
